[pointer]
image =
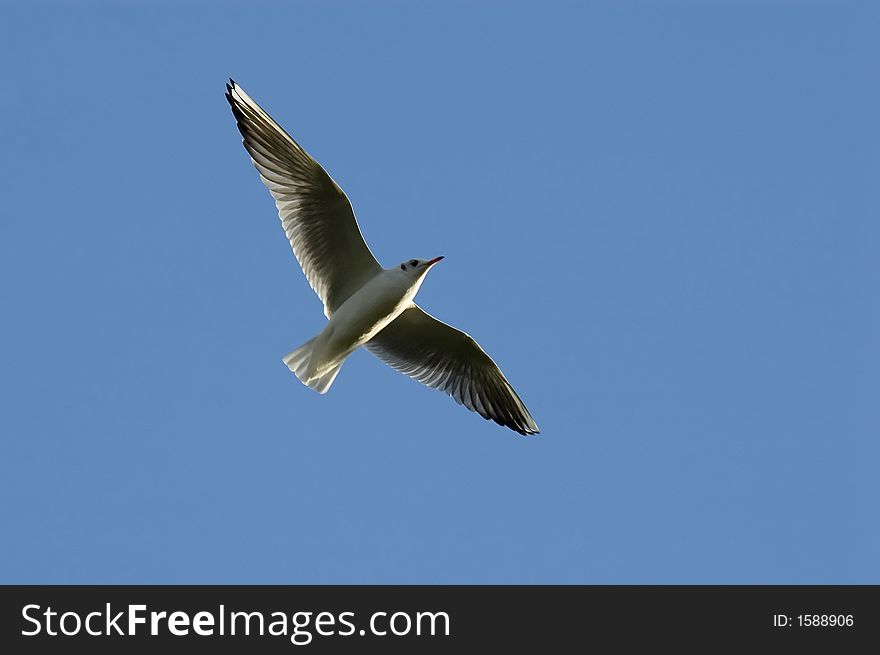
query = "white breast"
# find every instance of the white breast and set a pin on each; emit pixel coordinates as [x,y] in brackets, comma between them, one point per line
[367,311]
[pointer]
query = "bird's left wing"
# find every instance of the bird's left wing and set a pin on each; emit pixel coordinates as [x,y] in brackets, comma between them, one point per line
[316,215]
[438,355]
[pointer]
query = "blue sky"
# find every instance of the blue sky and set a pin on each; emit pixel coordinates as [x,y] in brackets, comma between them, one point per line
[660,219]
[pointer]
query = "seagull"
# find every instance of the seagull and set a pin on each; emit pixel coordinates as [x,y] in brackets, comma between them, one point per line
[366,304]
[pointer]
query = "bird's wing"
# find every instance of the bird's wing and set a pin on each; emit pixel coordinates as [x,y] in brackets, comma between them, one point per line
[438,355]
[314,211]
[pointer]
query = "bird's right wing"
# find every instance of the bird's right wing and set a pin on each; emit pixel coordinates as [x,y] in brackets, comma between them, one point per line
[441,357]
[316,215]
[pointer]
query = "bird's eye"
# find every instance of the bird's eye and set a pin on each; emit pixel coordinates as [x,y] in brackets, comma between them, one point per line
[403,267]
[412,262]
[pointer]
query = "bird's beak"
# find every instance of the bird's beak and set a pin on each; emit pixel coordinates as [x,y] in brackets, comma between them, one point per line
[431,262]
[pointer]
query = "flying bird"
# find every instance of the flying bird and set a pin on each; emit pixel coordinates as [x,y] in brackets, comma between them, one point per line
[366,304]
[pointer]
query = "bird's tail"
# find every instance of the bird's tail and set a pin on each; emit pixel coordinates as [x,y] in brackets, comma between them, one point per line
[300,363]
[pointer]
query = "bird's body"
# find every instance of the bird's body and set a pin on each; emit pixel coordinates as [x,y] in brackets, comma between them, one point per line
[367,305]
[361,317]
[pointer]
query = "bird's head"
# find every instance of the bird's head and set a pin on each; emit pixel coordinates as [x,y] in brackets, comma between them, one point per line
[418,267]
